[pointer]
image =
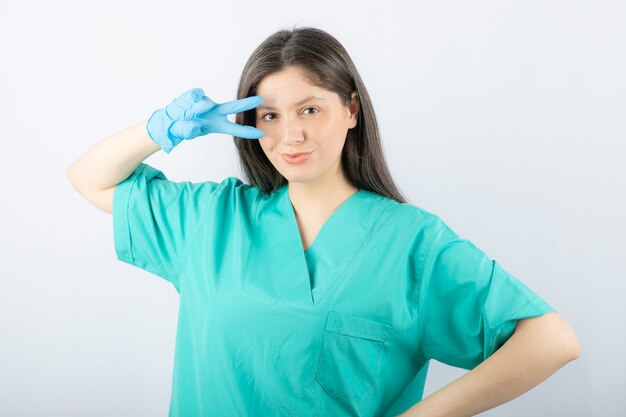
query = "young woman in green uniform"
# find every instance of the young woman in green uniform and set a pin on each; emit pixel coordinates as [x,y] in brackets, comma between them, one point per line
[314,289]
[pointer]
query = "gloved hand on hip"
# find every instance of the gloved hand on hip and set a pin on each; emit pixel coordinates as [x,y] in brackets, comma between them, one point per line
[193,114]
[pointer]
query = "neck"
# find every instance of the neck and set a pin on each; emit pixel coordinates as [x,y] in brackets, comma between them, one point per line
[316,199]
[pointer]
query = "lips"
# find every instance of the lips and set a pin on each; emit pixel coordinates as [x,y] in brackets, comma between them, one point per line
[293,155]
[296,158]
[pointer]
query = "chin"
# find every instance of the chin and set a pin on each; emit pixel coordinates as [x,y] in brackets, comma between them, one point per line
[296,177]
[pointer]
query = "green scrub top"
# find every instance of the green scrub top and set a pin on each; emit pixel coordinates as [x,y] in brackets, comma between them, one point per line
[345,328]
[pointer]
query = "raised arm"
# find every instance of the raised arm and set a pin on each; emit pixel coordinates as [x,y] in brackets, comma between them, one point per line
[110,161]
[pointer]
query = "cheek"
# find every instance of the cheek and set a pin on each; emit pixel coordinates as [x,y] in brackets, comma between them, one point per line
[265,144]
[271,137]
[270,141]
[332,137]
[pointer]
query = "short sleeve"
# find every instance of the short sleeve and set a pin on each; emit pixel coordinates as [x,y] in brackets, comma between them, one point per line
[154,218]
[468,304]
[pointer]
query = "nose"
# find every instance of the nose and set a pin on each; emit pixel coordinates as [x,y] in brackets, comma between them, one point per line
[291,132]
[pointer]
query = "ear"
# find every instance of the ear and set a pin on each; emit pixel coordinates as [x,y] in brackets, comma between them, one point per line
[353,107]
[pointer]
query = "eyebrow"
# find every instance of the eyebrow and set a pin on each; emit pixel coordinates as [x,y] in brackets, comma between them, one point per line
[263,106]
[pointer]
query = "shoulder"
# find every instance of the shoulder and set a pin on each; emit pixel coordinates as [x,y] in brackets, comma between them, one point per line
[235,184]
[408,217]
[230,190]
[405,228]
[233,191]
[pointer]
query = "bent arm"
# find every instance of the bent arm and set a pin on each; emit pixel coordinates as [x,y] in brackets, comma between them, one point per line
[110,161]
[538,348]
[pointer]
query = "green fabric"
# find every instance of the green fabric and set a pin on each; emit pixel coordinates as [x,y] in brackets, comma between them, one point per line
[346,328]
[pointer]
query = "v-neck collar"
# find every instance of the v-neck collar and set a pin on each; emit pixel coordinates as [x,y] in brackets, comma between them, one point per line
[277,264]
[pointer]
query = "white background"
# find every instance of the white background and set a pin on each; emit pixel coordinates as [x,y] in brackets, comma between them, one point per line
[505,118]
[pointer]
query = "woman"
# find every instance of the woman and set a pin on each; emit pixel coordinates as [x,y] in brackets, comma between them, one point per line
[315,290]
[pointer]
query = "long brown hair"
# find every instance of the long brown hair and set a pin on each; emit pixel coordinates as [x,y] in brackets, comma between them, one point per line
[326,64]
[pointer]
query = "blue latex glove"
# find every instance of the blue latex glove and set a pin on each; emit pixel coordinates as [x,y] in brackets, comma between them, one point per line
[193,114]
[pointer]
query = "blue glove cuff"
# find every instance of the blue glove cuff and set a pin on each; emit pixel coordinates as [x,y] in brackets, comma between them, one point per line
[158,129]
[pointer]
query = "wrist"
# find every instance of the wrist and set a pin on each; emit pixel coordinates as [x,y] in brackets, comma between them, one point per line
[158,127]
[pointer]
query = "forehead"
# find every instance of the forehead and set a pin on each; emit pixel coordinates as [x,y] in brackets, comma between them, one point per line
[288,85]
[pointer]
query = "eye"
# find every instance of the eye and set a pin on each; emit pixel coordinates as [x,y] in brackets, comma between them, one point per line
[273,114]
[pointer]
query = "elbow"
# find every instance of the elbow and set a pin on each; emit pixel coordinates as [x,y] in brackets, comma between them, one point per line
[573,348]
[68,172]
[552,326]
[569,342]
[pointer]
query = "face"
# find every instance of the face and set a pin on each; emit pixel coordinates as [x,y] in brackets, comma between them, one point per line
[298,116]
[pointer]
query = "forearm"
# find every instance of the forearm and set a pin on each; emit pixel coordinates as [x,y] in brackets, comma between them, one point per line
[113,159]
[539,347]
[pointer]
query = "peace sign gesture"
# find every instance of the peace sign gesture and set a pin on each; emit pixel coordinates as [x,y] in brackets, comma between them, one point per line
[193,114]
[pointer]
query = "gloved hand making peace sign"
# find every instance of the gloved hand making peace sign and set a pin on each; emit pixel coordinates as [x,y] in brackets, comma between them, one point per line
[193,114]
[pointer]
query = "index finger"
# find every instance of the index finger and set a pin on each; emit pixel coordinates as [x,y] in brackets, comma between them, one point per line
[237,106]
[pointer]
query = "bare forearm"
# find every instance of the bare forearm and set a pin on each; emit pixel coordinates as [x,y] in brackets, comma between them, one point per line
[113,159]
[539,347]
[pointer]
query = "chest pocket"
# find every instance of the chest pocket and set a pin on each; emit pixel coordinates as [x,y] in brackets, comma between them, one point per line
[348,363]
